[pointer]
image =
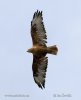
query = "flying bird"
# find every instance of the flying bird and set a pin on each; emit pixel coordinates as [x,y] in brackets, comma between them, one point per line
[40,49]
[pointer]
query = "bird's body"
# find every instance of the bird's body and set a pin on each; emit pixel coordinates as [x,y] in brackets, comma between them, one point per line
[40,49]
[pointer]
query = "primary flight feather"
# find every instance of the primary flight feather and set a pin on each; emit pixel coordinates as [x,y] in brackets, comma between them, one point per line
[40,49]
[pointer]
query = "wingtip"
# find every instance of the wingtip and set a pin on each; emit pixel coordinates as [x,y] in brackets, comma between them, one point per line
[37,10]
[43,85]
[41,13]
[40,85]
[37,13]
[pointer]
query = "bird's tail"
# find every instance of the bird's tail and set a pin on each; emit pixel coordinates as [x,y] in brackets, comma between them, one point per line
[52,50]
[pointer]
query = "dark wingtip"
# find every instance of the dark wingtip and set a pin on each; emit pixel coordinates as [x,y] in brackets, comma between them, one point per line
[39,85]
[34,15]
[37,10]
[41,13]
[37,13]
[43,85]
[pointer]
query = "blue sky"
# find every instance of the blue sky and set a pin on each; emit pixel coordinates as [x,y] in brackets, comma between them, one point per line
[62,20]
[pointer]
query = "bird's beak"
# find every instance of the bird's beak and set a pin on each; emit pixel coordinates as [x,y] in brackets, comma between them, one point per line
[28,50]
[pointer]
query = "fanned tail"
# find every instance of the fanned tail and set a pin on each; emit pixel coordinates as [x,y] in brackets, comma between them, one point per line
[52,50]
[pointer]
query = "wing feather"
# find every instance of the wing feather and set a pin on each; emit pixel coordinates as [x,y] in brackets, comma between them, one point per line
[39,68]
[38,32]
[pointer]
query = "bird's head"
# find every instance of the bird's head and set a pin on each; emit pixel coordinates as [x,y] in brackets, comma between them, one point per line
[29,50]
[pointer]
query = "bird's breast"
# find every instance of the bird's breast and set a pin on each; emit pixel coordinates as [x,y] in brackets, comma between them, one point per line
[39,49]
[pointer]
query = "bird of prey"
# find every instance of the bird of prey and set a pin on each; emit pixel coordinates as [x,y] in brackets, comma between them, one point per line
[40,49]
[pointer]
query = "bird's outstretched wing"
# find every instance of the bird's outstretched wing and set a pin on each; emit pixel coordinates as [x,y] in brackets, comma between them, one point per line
[39,68]
[37,29]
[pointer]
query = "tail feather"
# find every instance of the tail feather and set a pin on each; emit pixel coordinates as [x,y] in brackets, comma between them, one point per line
[52,50]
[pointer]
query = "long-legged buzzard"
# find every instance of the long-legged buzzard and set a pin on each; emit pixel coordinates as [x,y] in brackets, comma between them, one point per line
[39,49]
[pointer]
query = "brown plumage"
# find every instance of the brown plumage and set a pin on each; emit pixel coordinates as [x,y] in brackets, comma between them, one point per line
[39,49]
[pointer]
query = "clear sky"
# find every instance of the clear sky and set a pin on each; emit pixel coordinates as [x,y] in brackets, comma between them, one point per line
[62,20]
